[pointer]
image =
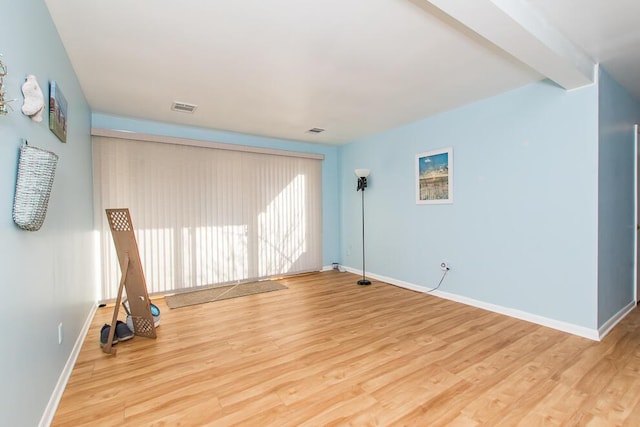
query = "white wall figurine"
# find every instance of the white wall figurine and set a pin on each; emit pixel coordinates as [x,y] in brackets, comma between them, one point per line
[33,99]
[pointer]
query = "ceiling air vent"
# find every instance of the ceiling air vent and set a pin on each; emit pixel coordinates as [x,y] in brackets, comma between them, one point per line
[315,130]
[183,107]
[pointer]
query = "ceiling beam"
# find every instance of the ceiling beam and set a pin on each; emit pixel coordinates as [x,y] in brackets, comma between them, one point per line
[523,32]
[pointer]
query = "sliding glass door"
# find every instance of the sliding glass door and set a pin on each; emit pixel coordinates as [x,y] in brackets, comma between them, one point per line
[207,216]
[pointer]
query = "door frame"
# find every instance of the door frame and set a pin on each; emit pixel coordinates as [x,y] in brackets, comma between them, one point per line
[636,215]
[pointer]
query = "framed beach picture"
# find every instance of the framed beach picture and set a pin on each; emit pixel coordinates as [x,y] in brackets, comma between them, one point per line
[57,112]
[434,177]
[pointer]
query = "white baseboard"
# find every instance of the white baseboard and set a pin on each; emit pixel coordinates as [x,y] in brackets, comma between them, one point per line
[54,401]
[592,334]
[615,319]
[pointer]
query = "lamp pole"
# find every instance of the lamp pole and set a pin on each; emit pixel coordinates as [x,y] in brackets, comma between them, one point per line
[362,184]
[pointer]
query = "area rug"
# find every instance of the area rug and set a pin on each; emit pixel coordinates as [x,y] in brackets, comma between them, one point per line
[220,293]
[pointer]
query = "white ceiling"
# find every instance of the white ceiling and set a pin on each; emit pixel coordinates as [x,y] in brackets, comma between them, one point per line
[353,67]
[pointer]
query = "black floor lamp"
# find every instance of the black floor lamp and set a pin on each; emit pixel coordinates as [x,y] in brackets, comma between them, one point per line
[362,175]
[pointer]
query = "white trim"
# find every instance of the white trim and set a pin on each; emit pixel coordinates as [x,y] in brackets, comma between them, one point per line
[615,319]
[570,328]
[54,400]
[123,134]
[635,213]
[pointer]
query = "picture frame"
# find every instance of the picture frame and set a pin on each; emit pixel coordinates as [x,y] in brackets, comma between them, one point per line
[57,112]
[434,177]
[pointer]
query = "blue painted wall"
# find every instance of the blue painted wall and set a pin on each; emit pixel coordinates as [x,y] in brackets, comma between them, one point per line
[330,199]
[522,231]
[618,113]
[48,276]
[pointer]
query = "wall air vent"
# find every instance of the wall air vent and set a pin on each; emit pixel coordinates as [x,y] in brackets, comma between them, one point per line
[183,107]
[315,130]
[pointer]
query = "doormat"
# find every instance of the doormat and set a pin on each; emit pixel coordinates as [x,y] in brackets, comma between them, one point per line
[222,292]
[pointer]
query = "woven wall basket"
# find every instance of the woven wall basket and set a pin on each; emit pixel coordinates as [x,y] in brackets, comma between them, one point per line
[36,170]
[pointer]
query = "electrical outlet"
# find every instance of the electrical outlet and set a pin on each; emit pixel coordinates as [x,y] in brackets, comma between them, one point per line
[60,333]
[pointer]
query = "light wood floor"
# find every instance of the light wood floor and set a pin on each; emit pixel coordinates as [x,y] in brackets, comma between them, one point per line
[329,352]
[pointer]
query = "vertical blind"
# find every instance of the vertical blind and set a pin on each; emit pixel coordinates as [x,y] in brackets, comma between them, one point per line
[206,216]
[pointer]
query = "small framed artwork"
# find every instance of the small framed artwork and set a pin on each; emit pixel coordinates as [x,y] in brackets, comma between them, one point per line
[434,177]
[57,112]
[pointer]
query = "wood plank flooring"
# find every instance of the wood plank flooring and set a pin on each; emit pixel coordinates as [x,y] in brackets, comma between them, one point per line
[328,352]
